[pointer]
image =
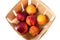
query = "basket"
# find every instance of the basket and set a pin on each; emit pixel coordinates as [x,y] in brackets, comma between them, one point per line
[41,8]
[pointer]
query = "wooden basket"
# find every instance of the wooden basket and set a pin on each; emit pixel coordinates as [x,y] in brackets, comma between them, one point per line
[41,8]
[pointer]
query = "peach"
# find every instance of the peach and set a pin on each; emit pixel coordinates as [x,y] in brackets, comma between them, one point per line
[31,9]
[31,20]
[21,27]
[20,16]
[41,19]
[34,30]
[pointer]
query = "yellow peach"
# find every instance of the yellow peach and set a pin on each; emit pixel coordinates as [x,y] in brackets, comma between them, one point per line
[41,19]
[31,9]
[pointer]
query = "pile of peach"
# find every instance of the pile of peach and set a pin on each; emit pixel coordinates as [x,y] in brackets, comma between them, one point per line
[28,20]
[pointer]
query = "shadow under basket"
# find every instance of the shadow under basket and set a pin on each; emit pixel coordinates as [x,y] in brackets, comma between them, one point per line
[41,8]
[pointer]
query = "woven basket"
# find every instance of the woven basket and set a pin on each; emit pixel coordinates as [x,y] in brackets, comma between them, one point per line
[41,8]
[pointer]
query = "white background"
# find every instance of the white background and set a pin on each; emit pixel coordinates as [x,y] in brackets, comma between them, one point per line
[7,32]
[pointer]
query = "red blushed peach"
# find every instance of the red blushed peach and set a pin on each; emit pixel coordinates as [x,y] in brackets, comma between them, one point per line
[21,27]
[31,20]
[20,16]
[34,30]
